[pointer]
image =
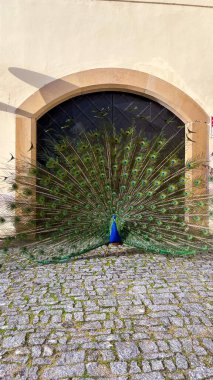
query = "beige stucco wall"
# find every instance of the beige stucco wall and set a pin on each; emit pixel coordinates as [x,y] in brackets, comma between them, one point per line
[59,37]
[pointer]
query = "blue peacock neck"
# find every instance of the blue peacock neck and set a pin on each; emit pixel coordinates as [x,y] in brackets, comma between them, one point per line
[114,234]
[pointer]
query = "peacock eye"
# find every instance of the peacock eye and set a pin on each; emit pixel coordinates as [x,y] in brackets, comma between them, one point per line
[141,207]
[174,217]
[205,232]
[175,203]
[197,182]
[205,248]
[149,170]
[196,218]
[187,193]
[171,188]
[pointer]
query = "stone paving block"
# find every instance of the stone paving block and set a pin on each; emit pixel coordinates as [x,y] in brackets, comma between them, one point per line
[14,341]
[9,370]
[118,368]
[95,317]
[148,376]
[146,366]
[177,376]
[201,373]
[208,343]
[33,373]
[126,350]
[47,351]
[181,361]
[134,368]
[157,365]
[147,346]
[37,338]
[107,355]
[175,345]
[71,357]
[96,369]
[163,346]
[139,289]
[59,372]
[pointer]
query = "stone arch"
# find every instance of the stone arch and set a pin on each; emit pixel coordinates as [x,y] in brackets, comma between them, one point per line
[103,79]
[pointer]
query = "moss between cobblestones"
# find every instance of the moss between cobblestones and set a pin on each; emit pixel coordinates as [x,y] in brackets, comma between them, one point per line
[31,318]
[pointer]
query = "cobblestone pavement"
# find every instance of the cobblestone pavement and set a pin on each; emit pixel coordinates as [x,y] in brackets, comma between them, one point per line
[113,314]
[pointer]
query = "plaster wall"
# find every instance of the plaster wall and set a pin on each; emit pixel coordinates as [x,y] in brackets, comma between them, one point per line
[55,38]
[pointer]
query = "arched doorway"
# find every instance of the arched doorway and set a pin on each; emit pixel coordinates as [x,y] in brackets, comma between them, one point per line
[89,112]
[111,79]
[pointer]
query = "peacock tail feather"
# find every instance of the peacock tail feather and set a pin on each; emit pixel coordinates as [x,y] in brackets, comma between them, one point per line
[106,178]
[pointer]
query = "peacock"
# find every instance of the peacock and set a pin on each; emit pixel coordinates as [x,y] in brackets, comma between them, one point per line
[109,186]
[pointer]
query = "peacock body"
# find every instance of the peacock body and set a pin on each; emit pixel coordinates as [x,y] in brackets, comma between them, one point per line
[110,186]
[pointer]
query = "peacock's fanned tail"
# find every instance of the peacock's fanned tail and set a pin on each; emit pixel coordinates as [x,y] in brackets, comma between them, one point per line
[69,207]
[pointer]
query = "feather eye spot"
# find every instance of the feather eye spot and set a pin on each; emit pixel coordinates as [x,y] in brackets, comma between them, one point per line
[157,183]
[141,207]
[163,173]
[171,188]
[162,196]
[149,170]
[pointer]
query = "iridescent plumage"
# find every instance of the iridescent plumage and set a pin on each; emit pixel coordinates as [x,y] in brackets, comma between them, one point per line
[67,207]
